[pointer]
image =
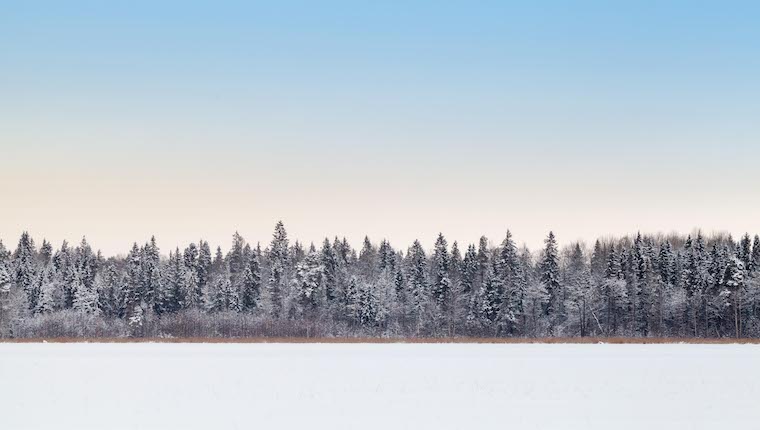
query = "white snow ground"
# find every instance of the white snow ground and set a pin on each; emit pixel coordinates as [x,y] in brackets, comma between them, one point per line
[378,386]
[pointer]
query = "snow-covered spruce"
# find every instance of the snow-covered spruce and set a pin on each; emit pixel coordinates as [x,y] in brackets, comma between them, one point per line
[647,285]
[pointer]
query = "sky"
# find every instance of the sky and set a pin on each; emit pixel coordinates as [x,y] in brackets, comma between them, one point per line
[399,119]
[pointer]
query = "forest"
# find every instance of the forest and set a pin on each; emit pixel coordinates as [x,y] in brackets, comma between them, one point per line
[693,286]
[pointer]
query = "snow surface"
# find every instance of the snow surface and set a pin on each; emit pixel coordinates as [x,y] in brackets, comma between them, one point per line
[378,386]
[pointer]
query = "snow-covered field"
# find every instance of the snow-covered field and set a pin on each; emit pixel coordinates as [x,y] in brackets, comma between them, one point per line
[378,386]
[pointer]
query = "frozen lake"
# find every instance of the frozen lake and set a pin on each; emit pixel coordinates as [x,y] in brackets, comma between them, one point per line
[378,386]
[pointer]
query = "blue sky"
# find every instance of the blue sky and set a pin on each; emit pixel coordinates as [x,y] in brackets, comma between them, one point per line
[397,119]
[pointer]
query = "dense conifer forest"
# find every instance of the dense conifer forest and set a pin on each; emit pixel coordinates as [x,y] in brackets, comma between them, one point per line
[640,286]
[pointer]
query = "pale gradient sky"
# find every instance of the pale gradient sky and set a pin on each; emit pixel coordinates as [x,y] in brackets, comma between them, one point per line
[398,119]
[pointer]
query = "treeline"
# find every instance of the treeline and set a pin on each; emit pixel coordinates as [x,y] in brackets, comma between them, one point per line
[674,286]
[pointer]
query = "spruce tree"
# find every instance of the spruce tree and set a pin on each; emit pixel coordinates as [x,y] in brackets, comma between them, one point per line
[400,286]
[5,279]
[733,281]
[642,299]
[578,285]
[26,269]
[441,288]
[85,297]
[598,261]
[351,299]
[418,285]
[109,290]
[218,265]
[510,276]
[368,309]
[470,270]
[329,262]
[455,266]
[491,300]
[744,252]
[173,297]
[483,260]
[251,289]
[5,255]
[46,253]
[755,260]
[193,288]
[613,291]
[368,259]
[133,303]
[278,262]
[550,275]
[236,259]
[64,272]
[204,265]
[386,256]
[151,275]
[46,303]
[223,297]
[307,283]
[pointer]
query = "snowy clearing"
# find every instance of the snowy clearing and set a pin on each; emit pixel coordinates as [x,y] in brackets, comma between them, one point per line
[378,386]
